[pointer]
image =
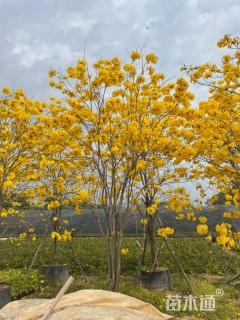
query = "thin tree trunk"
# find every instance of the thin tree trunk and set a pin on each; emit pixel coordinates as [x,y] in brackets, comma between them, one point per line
[142,254]
[117,252]
[56,244]
[152,241]
[109,249]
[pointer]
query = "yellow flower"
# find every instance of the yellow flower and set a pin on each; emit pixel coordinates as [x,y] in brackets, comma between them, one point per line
[202,219]
[23,235]
[6,90]
[115,150]
[7,184]
[124,251]
[66,235]
[134,200]
[3,213]
[151,210]
[65,221]
[208,238]
[151,58]
[190,216]
[54,234]
[180,216]
[223,228]
[227,203]
[143,221]
[52,73]
[163,232]
[77,210]
[228,197]
[202,229]
[55,218]
[198,207]
[83,194]
[53,205]
[135,55]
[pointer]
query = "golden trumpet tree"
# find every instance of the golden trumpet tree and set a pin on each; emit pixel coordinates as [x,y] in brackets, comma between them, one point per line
[18,144]
[217,127]
[127,124]
[53,178]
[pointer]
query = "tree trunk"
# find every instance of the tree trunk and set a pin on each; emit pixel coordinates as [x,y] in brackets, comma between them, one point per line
[114,243]
[56,225]
[150,231]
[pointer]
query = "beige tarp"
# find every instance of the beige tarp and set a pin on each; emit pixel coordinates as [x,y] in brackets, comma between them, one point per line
[84,305]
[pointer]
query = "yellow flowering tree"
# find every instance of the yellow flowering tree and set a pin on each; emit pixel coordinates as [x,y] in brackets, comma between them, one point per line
[127,127]
[18,146]
[217,126]
[54,176]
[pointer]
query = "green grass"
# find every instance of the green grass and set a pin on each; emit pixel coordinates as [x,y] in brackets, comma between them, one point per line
[207,265]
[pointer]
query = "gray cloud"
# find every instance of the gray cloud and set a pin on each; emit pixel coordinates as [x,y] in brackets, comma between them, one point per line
[37,35]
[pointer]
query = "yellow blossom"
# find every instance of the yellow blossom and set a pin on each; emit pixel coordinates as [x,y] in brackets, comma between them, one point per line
[163,232]
[151,210]
[202,219]
[180,216]
[6,90]
[135,55]
[143,221]
[23,235]
[151,57]
[202,229]
[124,251]
[208,238]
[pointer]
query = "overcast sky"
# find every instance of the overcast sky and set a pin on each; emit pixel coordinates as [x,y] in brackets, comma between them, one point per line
[39,34]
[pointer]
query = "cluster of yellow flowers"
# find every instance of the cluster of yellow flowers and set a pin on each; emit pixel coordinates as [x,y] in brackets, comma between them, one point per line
[53,205]
[232,214]
[23,235]
[124,251]
[202,228]
[225,235]
[180,216]
[66,235]
[152,209]
[237,236]
[6,90]
[6,212]
[202,219]
[143,221]
[191,216]
[163,232]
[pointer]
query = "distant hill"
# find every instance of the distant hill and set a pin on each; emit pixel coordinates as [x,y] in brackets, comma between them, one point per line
[89,224]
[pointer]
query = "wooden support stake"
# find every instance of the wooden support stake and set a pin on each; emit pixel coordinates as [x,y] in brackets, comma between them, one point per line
[58,297]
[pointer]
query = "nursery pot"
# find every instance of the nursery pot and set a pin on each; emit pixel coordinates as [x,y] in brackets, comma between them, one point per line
[5,293]
[58,272]
[158,279]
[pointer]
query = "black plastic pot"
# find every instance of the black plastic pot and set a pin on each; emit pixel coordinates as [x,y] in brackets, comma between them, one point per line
[5,294]
[58,272]
[158,279]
